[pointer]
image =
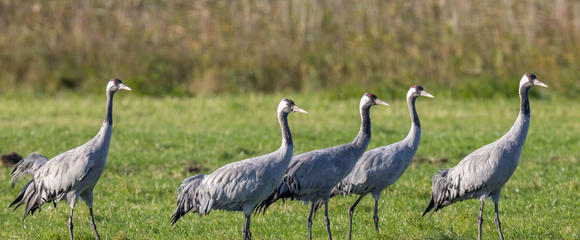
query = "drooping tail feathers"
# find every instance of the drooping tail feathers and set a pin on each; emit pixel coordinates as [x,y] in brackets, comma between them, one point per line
[32,196]
[440,193]
[339,189]
[28,166]
[431,205]
[289,188]
[186,198]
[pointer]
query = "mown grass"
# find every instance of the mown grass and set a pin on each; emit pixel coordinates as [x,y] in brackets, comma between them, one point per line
[156,139]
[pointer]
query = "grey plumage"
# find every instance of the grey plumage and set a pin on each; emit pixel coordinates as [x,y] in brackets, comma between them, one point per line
[379,168]
[239,186]
[71,174]
[28,166]
[311,176]
[482,173]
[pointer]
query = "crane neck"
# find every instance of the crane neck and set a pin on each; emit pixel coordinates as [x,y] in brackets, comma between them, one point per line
[103,137]
[524,100]
[413,111]
[364,135]
[519,130]
[414,135]
[109,111]
[286,135]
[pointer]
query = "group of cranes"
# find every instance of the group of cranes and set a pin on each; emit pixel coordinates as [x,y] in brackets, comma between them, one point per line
[252,185]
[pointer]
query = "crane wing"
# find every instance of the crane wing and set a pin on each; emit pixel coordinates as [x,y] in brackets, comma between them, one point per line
[318,171]
[473,175]
[28,166]
[234,185]
[63,172]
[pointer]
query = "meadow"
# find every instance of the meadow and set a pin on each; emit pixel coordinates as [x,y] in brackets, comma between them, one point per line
[157,142]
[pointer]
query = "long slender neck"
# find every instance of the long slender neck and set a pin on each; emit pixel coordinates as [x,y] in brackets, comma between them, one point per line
[519,130]
[103,138]
[415,132]
[413,111]
[286,135]
[524,101]
[364,135]
[109,112]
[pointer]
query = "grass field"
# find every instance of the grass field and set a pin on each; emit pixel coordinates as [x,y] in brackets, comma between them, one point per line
[156,140]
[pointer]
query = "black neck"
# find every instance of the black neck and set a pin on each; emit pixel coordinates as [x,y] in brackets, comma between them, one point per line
[524,101]
[109,113]
[413,111]
[364,133]
[286,135]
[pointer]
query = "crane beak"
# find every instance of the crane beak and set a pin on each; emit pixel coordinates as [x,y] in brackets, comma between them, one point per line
[426,94]
[379,101]
[298,109]
[124,87]
[538,83]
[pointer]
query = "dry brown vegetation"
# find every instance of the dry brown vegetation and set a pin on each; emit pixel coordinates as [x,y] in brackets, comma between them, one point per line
[179,47]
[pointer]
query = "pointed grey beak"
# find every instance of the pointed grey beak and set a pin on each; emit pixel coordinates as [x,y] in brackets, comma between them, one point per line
[297,109]
[538,83]
[379,101]
[426,94]
[124,87]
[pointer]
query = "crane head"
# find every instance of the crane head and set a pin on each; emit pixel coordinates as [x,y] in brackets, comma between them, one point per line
[116,84]
[417,90]
[529,80]
[371,99]
[286,105]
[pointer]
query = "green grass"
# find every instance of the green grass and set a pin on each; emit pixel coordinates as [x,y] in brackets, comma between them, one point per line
[155,139]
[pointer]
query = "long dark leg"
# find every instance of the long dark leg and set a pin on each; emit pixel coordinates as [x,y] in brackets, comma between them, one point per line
[497,222]
[247,234]
[327,220]
[88,198]
[93,224]
[72,200]
[350,213]
[376,215]
[70,223]
[480,219]
[310,221]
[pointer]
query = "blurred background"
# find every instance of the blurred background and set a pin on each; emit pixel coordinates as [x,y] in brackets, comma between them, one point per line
[172,47]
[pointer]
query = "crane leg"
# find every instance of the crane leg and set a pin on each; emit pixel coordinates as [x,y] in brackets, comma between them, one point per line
[350,213]
[310,221]
[93,225]
[497,222]
[72,200]
[88,198]
[376,215]
[70,224]
[327,220]
[480,218]
[246,232]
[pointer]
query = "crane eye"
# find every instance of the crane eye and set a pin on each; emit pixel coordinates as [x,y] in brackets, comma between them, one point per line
[531,76]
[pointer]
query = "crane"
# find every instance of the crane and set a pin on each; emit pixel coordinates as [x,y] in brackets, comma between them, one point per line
[70,175]
[483,173]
